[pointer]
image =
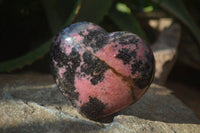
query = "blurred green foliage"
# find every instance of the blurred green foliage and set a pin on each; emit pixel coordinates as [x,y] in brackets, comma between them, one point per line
[110,14]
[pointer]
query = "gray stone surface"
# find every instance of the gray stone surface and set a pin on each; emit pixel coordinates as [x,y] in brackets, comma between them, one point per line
[165,50]
[31,103]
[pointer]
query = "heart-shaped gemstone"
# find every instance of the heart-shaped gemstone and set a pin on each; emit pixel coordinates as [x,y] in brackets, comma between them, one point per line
[101,73]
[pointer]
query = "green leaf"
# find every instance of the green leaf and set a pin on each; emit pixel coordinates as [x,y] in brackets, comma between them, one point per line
[123,8]
[52,16]
[37,53]
[93,10]
[56,12]
[126,22]
[148,9]
[177,8]
[26,59]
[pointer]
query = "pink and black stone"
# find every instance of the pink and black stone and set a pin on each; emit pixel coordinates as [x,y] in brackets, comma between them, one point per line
[101,73]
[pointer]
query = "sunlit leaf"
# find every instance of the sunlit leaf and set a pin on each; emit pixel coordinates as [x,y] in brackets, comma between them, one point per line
[121,7]
[148,9]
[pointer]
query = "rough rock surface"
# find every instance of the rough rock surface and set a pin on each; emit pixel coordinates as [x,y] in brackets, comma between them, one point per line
[165,52]
[31,103]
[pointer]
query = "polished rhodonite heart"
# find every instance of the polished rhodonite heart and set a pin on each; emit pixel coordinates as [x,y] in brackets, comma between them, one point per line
[101,73]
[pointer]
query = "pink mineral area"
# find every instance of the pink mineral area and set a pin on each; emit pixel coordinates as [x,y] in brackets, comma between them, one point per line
[55,62]
[78,69]
[108,54]
[93,27]
[65,94]
[77,37]
[85,32]
[81,51]
[62,70]
[63,91]
[66,45]
[68,50]
[113,91]
[70,64]
[142,48]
